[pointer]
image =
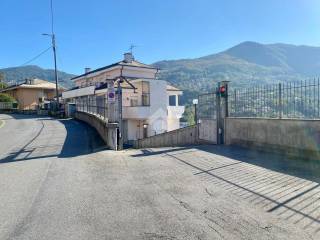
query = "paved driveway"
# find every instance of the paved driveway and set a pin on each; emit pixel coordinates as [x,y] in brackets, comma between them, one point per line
[57,183]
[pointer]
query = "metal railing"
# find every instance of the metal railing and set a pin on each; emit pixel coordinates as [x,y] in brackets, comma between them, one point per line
[283,100]
[96,105]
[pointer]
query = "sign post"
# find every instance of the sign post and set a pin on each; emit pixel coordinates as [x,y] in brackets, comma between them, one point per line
[111,98]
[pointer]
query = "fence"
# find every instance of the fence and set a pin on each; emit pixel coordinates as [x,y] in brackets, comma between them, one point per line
[283,100]
[8,105]
[96,105]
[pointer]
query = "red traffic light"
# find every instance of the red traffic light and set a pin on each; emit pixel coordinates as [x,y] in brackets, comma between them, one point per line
[222,89]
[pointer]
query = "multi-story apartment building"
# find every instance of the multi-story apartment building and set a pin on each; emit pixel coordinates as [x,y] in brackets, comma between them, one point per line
[149,106]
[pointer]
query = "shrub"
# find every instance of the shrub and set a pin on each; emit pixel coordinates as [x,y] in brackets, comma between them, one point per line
[6,98]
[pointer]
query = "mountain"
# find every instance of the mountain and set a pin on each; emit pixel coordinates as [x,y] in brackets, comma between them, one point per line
[19,74]
[248,63]
[301,59]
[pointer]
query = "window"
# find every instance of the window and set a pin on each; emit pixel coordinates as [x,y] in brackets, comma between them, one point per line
[172,100]
[145,97]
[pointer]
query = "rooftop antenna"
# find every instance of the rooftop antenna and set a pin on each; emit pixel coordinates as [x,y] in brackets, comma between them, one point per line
[131,48]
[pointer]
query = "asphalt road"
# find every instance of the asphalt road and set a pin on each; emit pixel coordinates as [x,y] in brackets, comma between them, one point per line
[57,183]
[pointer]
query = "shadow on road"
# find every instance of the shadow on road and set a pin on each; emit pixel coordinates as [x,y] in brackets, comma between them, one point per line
[54,138]
[307,169]
[288,187]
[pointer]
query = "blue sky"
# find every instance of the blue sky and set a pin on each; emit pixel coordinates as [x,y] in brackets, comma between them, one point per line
[97,32]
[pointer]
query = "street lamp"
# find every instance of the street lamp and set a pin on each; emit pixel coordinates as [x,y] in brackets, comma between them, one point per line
[53,40]
[195,103]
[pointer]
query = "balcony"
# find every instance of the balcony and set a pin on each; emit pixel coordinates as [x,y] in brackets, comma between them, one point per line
[135,112]
[78,92]
[175,111]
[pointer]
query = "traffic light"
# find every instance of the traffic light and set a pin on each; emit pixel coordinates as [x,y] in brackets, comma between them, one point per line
[223,91]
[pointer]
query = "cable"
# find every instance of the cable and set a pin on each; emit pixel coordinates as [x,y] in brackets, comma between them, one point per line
[34,58]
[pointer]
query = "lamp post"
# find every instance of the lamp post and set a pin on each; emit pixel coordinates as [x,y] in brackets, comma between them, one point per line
[53,40]
[195,103]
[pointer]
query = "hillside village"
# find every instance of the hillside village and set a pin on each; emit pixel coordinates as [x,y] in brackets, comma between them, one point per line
[271,63]
[159,120]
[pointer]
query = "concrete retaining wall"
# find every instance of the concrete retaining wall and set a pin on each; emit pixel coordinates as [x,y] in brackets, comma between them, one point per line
[107,131]
[179,137]
[291,136]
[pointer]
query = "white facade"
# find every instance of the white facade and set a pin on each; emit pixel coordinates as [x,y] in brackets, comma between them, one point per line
[146,110]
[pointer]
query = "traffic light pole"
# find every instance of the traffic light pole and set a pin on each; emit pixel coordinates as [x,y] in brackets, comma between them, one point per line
[222,110]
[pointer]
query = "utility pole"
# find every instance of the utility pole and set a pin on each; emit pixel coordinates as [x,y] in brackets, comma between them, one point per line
[53,41]
[55,68]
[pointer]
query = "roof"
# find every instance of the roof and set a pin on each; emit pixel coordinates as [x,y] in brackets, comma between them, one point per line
[133,63]
[172,88]
[37,84]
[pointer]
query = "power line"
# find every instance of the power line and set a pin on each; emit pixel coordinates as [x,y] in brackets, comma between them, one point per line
[37,56]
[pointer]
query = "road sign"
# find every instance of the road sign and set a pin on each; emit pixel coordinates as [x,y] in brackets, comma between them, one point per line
[111,93]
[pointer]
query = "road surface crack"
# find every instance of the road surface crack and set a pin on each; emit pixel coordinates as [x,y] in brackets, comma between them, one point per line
[158,236]
[209,193]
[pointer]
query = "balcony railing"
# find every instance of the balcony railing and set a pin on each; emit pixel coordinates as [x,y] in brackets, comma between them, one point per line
[175,111]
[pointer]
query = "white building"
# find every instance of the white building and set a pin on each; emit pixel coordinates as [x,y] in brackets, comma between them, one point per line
[150,108]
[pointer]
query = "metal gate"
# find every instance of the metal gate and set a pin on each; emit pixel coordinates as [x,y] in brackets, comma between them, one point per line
[211,111]
[207,117]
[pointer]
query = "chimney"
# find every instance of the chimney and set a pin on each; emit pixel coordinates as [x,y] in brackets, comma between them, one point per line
[87,69]
[29,81]
[128,57]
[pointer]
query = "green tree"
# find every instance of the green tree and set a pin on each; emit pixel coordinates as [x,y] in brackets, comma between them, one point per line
[3,85]
[6,98]
[2,77]
[188,115]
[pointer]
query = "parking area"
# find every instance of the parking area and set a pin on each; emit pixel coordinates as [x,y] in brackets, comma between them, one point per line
[286,188]
[228,192]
